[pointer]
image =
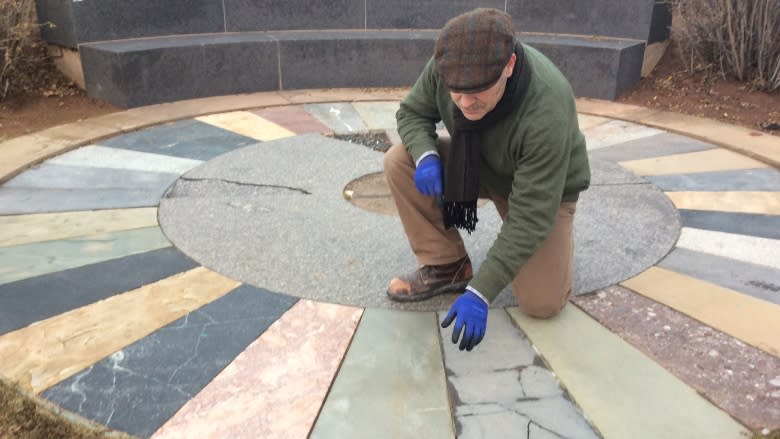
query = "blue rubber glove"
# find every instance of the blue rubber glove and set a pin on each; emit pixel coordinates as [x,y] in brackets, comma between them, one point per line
[427,177]
[471,311]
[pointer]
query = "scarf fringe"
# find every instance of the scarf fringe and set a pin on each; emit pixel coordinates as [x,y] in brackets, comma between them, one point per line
[462,215]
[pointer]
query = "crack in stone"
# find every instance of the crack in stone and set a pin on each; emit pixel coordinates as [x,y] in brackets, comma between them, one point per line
[241,184]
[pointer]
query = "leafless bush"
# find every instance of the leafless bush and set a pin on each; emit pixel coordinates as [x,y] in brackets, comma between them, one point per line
[739,38]
[20,47]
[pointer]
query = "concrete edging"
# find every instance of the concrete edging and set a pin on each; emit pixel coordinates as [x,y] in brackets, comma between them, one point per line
[22,152]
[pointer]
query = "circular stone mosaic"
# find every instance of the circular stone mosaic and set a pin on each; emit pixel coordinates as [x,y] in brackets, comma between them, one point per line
[274,215]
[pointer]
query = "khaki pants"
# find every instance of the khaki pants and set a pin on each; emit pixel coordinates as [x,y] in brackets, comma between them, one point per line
[542,285]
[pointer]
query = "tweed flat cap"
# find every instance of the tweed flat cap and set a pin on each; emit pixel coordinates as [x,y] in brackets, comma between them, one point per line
[473,48]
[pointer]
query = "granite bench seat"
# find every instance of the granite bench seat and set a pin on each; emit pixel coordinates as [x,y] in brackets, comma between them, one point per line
[136,72]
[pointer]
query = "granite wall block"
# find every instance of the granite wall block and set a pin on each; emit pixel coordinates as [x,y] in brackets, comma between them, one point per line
[56,16]
[252,15]
[414,14]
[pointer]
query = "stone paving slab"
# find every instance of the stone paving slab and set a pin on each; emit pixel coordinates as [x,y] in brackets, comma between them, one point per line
[638,398]
[117,158]
[693,162]
[62,177]
[294,118]
[760,203]
[378,115]
[494,386]
[30,260]
[153,378]
[31,300]
[746,180]
[25,229]
[184,139]
[247,124]
[274,388]
[763,226]
[16,201]
[657,145]
[391,383]
[734,376]
[751,320]
[42,355]
[759,281]
[750,249]
[341,118]
[616,131]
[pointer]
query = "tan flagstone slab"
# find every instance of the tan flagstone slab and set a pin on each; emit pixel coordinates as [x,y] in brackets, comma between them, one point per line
[45,353]
[621,391]
[754,321]
[711,160]
[34,259]
[587,121]
[295,118]
[766,203]
[247,124]
[613,110]
[750,249]
[24,151]
[24,229]
[274,389]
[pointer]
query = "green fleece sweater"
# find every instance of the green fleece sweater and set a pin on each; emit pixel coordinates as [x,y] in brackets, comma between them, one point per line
[535,157]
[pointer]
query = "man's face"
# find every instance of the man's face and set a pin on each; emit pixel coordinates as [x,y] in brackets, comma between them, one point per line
[476,105]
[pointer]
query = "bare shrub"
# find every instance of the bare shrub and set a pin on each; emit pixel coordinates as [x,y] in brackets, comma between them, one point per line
[739,38]
[21,49]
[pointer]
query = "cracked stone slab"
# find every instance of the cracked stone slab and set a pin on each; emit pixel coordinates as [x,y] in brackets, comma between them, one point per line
[264,216]
[502,388]
[154,377]
[185,139]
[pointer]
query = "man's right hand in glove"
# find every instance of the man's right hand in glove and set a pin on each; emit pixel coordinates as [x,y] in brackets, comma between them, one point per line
[427,177]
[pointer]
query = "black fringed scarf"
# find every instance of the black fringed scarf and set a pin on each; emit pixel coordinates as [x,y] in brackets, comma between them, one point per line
[461,175]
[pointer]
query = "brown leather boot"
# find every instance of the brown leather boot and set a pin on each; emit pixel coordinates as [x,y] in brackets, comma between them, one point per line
[431,280]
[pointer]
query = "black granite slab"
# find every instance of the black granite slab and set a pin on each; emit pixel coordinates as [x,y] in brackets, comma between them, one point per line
[185,139]
[762,226]
[652,146]
[251,15]
[56,18]
[661,23]
[415,14]
[614,18]
[140,387]
[102,20]
[31,300]
[353,59]
[596,68]
[150,71]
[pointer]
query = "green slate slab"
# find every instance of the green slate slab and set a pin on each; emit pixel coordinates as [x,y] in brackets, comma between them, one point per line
[622,392]
[391,383]
[378,115]
[30,260]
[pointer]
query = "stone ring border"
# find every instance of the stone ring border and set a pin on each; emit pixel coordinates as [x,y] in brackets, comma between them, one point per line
[29,150]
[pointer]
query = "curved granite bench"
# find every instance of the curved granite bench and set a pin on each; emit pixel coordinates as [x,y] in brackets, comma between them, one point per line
[147,52]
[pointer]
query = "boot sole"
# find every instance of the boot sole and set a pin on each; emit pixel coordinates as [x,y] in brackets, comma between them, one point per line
[449,288]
